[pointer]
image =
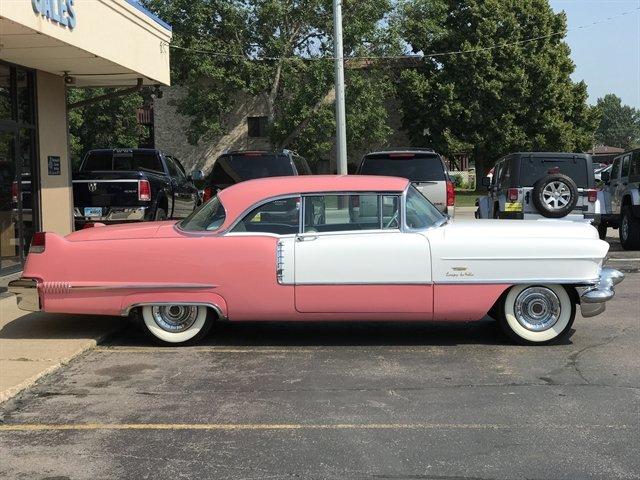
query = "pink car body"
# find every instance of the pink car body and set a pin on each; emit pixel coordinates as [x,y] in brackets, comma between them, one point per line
[453,271]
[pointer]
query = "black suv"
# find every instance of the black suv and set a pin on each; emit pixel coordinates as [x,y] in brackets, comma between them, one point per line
[241,165]
[535,185]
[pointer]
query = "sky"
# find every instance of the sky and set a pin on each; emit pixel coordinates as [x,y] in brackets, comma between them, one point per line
[607,56]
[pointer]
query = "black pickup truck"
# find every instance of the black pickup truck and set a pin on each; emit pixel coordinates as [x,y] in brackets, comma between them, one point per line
[132,185]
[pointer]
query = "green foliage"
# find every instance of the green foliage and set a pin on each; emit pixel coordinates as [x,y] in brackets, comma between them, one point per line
[300,109]
[107,124]
[619,124]
[515,97]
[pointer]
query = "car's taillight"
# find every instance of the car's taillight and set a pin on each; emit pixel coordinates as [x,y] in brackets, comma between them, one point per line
[208,193]
[513,194]
[451,194]
[592,195]
[144,190]
[14,192]
[37,243]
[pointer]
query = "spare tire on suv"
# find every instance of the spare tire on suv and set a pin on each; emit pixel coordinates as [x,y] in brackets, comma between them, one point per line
[555,195]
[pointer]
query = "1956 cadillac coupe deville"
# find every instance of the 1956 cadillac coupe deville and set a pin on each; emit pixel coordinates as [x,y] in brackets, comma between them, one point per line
[301,248]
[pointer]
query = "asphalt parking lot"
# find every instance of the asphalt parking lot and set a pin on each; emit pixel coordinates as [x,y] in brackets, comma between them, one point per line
[395,401]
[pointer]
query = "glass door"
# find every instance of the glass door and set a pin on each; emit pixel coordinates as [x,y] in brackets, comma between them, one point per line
[10,224]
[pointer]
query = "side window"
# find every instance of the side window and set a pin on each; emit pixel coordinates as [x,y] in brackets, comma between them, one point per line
[301,165]
[497,173]
[280,217]
[337,213]
[615,170]
[634,170]
[505,182]
[174,170]
[625,166]
[390,212]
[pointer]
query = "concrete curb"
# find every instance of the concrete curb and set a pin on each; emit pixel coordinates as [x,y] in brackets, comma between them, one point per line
[35,345]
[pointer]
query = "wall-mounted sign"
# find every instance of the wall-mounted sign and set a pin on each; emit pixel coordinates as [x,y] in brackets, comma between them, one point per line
[54,165]
[60,11]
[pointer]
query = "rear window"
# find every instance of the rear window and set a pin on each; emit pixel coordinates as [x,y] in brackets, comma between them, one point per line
[238,168]
[415,167]
[532,170]
[122,161]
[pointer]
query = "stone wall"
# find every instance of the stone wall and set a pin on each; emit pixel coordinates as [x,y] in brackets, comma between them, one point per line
[169,131]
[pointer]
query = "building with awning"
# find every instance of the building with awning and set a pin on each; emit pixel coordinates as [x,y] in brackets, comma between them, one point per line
[47,46]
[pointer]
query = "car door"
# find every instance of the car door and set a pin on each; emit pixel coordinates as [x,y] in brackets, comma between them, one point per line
[345,263]
[182,194]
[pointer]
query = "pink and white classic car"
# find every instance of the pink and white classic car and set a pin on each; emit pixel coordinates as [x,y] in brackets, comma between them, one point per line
[301,248]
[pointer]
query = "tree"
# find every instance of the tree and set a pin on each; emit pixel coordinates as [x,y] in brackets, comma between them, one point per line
[518,96]
[619,124]
[107,124]
[278,49]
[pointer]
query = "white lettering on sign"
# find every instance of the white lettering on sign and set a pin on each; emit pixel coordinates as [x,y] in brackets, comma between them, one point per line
[60,11]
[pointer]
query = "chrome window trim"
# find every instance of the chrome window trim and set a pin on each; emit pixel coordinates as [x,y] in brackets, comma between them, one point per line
[245,212]
[405,228]
[198,233]
[142,286]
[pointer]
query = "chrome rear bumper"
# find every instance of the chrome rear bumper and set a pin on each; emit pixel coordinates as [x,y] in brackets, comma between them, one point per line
[593,298]
[26,292]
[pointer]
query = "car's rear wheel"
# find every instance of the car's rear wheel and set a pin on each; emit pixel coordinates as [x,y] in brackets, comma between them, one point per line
[629,230]
[537,314]
[178,323]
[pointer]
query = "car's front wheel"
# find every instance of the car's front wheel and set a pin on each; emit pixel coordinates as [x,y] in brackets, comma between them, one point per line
[177,324]
[537,314]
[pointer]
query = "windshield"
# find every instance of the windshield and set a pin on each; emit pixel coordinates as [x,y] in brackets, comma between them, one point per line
[420,212]
[533,169]
[238,168]
[207,218]
[122,161]
[415,167]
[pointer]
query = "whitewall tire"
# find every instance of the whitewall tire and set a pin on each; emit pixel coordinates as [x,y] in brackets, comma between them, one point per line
[537,314]
[176,324]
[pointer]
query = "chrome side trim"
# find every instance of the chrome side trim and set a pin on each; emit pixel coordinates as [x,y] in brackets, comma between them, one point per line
[26,292]
[142,286]
[125,311]
[106,181]
[311,284]
[518,258]
[279,262]
[523,281]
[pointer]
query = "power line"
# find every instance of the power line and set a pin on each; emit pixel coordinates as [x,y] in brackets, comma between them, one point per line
[419,56]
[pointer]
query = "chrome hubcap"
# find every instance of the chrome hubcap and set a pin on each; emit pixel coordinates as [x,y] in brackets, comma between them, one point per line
[556,195]
[174,318]
[537,308]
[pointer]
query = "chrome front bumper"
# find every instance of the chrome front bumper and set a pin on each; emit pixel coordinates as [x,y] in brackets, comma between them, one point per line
[26,292]
[593,298]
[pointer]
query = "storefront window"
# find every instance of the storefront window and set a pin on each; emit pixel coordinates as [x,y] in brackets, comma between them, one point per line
[18,188]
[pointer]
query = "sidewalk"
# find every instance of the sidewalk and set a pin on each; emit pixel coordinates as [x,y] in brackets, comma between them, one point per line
[34,344]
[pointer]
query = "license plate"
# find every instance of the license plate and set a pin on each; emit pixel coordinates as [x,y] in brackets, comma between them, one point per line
[513,207]
[92,211]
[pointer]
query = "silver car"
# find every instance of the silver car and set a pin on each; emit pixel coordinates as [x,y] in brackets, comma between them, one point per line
[423,167]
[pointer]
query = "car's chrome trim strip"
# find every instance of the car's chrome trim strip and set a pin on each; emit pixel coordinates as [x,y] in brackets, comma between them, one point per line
[321,284]
[144,286]
[125,311]
[585,257]
[522,281]
[105,181]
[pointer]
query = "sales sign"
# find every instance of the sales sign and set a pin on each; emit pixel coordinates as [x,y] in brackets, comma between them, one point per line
[60,11]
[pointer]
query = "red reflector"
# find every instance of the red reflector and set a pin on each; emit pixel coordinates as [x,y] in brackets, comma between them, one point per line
[451,194]
[37,243]
[512,194]
[144,190]
[592,195]
[14,192]
[207,194]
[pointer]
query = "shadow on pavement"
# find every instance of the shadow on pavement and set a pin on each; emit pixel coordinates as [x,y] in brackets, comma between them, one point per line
[270,334]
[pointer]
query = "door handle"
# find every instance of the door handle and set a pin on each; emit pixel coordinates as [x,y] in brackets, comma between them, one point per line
[307,238]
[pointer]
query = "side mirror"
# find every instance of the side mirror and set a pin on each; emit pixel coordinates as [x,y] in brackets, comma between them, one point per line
[605,177]
[486,181]
[196,175]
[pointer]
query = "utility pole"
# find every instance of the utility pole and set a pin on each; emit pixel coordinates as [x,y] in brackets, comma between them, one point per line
[341,123]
